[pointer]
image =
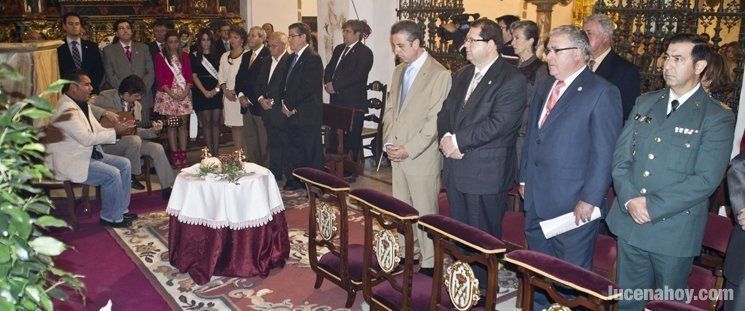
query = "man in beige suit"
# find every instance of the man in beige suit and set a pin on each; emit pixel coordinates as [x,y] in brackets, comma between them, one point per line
[418,88]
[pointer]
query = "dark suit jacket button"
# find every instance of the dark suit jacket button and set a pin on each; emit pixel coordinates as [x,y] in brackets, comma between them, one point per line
[538,141]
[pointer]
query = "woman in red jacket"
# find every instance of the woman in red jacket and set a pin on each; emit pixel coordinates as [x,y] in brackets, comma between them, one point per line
[173,98]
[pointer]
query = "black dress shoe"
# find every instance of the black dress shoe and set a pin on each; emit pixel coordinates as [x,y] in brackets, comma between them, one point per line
[136,184]
[166,193]
[130,216]
[122,224]
[427,271]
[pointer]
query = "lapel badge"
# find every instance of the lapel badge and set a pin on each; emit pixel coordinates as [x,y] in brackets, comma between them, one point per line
[637,117]
[489,82]
[579,89]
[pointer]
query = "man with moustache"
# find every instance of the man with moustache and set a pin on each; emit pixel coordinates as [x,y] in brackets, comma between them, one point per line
[671,156]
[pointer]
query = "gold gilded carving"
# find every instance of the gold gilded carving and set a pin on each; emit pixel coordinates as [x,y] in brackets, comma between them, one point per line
[462,285]
[387,250]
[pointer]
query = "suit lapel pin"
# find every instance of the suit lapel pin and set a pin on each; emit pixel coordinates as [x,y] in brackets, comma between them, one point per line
[489,82]
[696,103]
[579,89]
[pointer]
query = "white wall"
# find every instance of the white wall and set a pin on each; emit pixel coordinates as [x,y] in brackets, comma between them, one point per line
[281,13]
[309,7]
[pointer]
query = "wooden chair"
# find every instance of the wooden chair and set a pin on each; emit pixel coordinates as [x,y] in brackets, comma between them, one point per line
[671,306]
[50,184]
[545,272]
[390,284]
[343,263]
[376,133]
[341,119]
[466,245]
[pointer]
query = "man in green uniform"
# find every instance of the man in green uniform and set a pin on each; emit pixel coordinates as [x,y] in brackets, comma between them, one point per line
[669,159]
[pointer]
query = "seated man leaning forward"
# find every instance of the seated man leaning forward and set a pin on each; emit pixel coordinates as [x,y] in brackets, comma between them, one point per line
[73,151]
[109,104]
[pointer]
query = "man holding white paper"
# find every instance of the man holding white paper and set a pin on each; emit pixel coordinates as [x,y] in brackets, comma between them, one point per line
[574,121]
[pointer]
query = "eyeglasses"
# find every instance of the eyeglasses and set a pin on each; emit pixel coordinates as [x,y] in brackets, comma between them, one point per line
[472,40]
[550,50]
[293,36]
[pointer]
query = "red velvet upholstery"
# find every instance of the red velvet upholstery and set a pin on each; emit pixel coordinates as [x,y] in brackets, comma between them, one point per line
[671,306]
[513,230]
[443,204]
[355,255]
[320,178]
[701,278]
[421,292]
[604,257]
[451,227]
[571,275]
[718,230]
[384,202]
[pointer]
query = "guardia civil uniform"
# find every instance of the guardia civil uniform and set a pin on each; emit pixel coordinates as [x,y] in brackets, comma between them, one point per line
[676,162]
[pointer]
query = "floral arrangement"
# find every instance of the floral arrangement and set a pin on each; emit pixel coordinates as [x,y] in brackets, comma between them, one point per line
[228,167]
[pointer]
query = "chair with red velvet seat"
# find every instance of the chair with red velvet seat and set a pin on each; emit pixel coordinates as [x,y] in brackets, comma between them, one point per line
[343,263]
[546,272]
[388,283]
[465,245]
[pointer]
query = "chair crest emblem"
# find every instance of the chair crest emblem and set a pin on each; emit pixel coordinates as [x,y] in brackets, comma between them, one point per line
[462,285]
[387,250]
[326,220]
[558,307]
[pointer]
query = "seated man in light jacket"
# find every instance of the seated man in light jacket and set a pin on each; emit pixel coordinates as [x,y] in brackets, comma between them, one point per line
[73,152]
[127,98]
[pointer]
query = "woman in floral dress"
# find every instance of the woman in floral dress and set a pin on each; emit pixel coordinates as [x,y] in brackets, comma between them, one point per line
[173,98]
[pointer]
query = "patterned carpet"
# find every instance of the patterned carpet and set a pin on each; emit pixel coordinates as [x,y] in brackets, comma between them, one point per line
[288,288]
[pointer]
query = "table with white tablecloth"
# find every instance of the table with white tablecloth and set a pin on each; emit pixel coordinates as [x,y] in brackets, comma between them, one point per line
[227,229]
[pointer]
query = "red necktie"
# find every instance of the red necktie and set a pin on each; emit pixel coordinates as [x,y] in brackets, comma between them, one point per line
[128,52]
[552,100]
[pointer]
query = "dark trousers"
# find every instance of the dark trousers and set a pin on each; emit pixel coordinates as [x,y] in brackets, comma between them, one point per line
[575,247]
[278,152]
[738,301]
[641,269]
[352,140]
[305,148]
[483,211]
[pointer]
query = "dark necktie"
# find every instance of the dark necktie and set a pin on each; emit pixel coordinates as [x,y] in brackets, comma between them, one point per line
[294,61]
[346,49]
[128,52]
[674,104]
[76,54]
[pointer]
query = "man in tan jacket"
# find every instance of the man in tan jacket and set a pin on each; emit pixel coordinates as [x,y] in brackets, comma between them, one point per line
[418,88]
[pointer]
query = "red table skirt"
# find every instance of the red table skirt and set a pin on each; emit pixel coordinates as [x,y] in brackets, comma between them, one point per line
[203,252]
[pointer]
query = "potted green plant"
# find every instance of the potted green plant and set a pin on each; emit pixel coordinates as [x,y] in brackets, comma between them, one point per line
[28,278]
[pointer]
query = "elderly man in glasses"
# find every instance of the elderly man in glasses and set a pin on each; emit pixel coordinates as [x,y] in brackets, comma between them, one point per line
[574,121]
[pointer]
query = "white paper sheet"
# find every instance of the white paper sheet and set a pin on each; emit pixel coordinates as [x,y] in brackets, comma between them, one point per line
[564,223]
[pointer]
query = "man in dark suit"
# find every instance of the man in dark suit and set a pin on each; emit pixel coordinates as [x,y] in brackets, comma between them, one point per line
[79,54]
[222,43]
[609,65]
[478,127]
[268,87]
[734,269]
[670,158]
[573,124]
[246,78]
[345,79]
[160,27]
[301,103]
